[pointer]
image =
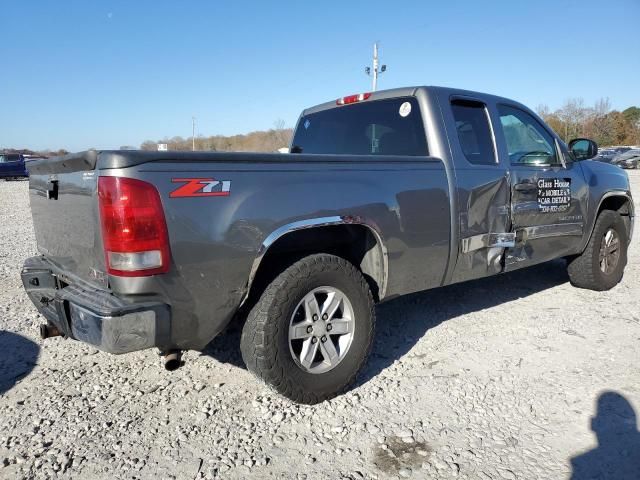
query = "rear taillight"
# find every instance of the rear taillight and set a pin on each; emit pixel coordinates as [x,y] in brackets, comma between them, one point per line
[134,230]
[353,98]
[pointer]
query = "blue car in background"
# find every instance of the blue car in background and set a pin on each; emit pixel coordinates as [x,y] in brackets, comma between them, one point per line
[12,166]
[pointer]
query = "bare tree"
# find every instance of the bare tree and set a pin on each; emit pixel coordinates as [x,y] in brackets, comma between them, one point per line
[602,107]
[572,114]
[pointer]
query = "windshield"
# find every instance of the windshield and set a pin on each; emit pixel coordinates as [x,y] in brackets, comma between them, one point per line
[382,127]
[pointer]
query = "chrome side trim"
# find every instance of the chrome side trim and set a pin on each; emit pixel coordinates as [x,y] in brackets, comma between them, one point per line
[488,240]
[316,223]
[552,230]
[522,235]
[493,135]
[530,206]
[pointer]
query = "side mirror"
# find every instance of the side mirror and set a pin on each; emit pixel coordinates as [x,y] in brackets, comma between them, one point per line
[583,148]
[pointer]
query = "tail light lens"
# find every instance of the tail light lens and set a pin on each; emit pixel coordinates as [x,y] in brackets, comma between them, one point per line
[134,230]
[353,98]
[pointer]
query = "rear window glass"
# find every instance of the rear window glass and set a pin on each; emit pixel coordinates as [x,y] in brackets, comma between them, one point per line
[474,132]
[381,127]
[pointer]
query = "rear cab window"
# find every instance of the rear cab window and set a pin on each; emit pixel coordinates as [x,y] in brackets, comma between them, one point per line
[474,131]
[381,127]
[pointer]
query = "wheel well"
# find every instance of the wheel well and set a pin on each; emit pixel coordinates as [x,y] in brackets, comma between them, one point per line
[355,243]
[620,204]
[616,203]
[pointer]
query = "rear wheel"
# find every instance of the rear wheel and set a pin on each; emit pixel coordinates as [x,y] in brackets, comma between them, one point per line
[312,329]
[601,265]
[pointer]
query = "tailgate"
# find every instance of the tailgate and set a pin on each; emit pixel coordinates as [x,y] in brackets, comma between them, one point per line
[63,196]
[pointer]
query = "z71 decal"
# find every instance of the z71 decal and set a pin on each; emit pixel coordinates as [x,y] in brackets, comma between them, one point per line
[554,195]
[201,187]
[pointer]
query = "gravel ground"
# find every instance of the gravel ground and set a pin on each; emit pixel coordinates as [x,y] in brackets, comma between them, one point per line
[495,379]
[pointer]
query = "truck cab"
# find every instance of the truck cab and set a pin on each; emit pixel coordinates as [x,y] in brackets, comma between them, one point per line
[518,195]
[12,166]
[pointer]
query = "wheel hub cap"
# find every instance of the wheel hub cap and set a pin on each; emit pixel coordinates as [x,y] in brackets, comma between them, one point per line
[321,330]
[609,252]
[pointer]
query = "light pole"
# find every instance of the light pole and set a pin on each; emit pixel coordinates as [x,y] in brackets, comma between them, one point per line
[374,87]
[377,69]
[193,134]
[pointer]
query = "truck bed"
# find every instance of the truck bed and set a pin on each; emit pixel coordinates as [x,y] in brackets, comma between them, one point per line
[216,240]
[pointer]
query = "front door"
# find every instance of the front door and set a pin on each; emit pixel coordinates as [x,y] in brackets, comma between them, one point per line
[548,192]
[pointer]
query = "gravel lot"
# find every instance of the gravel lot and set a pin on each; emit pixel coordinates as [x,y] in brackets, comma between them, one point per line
[494,379]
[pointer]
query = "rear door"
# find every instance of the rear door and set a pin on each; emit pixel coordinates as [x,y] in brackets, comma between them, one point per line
[482,187]
[548,191]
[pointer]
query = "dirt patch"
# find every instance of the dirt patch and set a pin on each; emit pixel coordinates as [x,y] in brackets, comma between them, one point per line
[400,455]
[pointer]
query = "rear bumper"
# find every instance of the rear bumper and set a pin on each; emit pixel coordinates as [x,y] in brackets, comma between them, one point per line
[95,316]
[8,175]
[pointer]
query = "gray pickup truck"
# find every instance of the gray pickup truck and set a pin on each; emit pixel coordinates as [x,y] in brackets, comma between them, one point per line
[382,194]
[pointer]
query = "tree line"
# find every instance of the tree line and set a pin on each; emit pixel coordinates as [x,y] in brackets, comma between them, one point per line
[259,141]
[574,119]
[38,153]
[600,123]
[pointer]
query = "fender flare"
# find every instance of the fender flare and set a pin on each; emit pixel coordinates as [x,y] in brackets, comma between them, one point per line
[613,193]
[280,232]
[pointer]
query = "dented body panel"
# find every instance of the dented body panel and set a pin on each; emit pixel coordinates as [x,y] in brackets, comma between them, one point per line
[433,219]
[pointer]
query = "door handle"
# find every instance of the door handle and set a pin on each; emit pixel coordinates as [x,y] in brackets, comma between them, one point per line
[526,187]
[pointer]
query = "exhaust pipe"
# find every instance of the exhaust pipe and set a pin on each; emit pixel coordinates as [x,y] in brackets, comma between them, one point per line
[47,331]
[173,360]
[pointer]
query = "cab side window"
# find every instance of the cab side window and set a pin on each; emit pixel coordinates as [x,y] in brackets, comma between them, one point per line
[474,132]
[528,142]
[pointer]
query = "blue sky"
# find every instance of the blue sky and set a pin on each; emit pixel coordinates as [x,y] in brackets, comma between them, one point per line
[80,74]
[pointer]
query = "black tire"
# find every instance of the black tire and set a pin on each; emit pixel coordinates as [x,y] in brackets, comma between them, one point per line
[584,270]
[265,338]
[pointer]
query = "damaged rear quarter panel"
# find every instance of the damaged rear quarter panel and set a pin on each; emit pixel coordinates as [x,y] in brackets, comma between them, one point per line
[215,239]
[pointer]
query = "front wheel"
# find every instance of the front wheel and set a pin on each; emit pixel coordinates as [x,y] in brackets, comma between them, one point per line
[601,265]
[312,329]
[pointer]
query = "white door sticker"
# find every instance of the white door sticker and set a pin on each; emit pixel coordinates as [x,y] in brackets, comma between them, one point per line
[405,109]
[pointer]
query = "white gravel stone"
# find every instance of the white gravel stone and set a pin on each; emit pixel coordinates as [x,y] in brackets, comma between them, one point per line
[277,417]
